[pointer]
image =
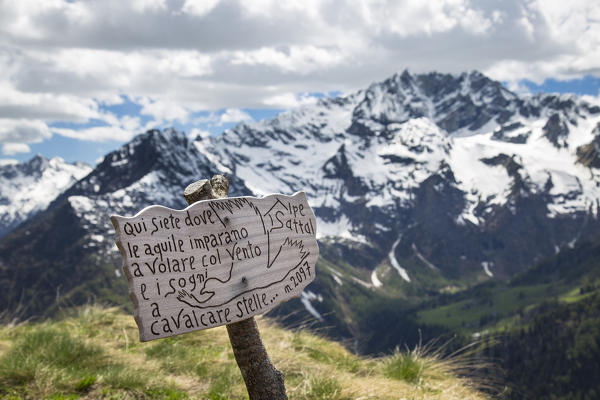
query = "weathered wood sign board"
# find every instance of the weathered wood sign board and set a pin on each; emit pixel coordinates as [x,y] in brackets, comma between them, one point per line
[215,262]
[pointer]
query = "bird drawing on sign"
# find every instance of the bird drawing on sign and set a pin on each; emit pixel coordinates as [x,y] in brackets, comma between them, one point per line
[275,244]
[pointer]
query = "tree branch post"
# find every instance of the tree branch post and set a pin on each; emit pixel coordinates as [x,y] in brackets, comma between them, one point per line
[263,380]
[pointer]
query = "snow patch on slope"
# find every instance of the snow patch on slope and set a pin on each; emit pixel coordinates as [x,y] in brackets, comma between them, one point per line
[336,275]
[486,268]
[306,298]
[395,262]
[375,280]
[422,258]
[341,228]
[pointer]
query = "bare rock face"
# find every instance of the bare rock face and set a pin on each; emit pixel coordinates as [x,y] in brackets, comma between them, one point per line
[556,131]
[512,133]
[589,154]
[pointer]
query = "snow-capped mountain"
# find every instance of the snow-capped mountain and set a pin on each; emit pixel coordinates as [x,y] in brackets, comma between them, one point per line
[428,181]
[364,159]
[28,188]
[383,142]
[154,168]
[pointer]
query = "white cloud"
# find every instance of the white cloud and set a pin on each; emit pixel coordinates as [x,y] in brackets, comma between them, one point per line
[97,133]
[16,104]
[232,115]
[414,17]
[23,131]
[110,99]
[65,61]
[8,161]
[10,149]
[141,6]
[130,123]
[297,59]
[116,128]
[163,110]
[184,64]
[289,100]
[199,7]
[564,38]
[210,119]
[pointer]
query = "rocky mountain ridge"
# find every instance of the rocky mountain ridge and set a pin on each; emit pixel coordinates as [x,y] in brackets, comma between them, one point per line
[420,183]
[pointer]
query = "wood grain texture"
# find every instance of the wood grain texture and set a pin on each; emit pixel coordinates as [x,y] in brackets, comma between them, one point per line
[215,262]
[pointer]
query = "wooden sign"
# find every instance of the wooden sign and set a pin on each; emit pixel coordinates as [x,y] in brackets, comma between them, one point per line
[216,262]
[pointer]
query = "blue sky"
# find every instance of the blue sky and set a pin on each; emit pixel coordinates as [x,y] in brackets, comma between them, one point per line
[588,85]
[82,77]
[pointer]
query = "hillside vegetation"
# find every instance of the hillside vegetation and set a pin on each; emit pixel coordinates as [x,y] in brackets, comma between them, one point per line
[542,327]
[96,354]
[536,370]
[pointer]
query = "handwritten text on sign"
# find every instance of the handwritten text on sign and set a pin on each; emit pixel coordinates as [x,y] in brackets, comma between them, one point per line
[216,262]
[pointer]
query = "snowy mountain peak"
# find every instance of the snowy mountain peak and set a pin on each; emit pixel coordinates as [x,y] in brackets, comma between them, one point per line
[27,188]
[166,150]
[154,168]
[454,102]
[39,162]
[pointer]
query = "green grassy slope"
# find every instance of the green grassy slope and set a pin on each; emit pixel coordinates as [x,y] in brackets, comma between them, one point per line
[96,354]
[570,276]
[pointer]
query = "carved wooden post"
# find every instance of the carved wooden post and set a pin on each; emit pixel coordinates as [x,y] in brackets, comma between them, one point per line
[263,380]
